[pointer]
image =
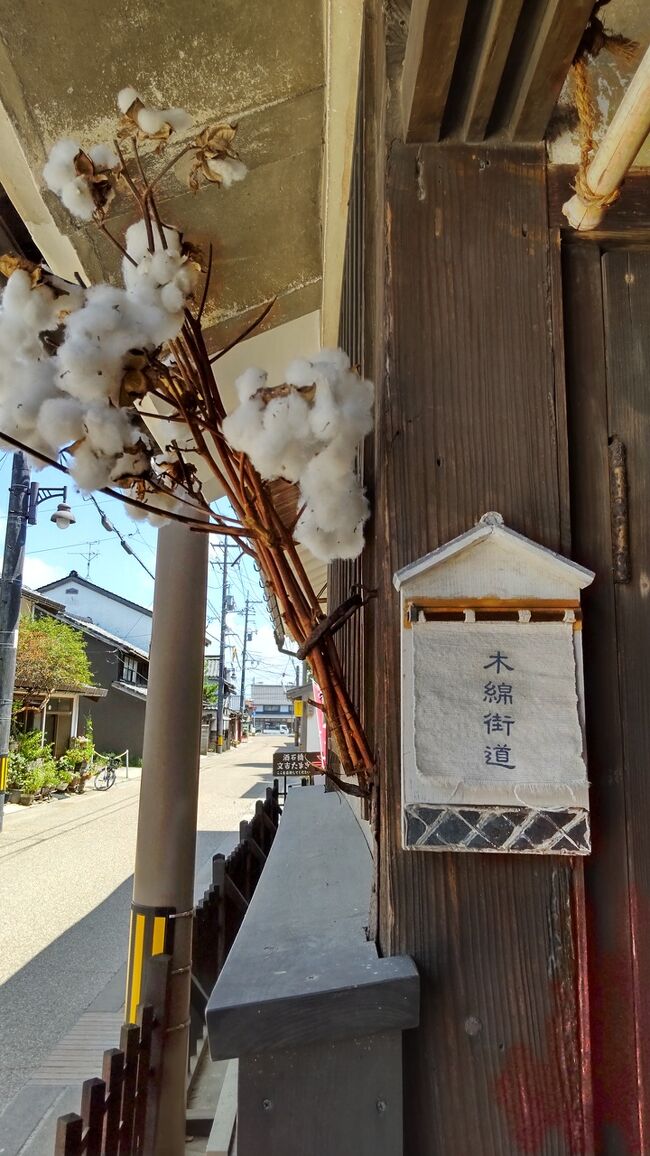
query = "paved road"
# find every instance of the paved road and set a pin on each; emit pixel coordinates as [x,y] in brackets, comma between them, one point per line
[66,881]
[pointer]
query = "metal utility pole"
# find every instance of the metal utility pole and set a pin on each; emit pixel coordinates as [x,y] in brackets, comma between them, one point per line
[222,650]
[10,592]
[242,690]
[163,883]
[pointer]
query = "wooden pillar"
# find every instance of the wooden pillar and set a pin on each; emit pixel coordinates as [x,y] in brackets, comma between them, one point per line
[471,418]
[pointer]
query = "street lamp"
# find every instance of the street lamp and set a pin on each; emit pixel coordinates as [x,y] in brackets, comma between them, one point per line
[24,500]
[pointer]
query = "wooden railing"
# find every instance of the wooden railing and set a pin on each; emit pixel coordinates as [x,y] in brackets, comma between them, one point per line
[118,1111]
[219,915]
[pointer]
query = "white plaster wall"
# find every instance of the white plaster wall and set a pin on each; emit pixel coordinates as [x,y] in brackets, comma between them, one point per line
[128,624]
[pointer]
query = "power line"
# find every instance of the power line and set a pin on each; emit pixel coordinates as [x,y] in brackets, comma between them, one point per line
[111,529]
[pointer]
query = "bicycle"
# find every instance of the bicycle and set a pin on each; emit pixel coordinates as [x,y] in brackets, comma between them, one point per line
[106,775]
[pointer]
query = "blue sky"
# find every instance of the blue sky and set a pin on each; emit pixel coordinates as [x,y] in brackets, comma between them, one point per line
[52,553]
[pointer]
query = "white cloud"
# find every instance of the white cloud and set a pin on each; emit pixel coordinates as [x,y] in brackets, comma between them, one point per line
[38,573]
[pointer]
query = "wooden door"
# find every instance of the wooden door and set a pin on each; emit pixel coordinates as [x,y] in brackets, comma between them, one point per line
[607,337]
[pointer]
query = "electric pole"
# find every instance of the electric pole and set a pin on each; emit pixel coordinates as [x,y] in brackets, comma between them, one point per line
[222,650]
[10,593]
[242,691]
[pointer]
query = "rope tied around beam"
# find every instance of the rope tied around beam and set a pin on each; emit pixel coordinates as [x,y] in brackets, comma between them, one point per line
[595,38]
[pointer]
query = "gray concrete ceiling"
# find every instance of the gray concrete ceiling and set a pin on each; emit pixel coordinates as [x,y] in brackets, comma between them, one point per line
[260,65]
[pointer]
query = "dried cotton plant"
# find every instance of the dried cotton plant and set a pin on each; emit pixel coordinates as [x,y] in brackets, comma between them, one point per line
[81,365]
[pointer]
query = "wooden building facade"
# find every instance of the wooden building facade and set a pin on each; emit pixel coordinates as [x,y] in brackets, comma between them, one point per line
[510,355]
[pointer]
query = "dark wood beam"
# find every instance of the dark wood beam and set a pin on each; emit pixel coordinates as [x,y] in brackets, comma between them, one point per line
[485,70]
[432,43]
[541,55]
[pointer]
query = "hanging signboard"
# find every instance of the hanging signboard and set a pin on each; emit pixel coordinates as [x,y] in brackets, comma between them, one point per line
[492,697]
[297,763]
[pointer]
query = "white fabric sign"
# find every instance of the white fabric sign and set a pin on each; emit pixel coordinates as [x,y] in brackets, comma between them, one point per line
[495,715]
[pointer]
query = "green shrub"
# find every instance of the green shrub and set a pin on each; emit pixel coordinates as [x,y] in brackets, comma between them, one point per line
[31,765]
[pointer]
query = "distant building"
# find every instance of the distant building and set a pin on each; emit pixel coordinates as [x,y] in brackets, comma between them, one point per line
[271,707]
[58,715]
[90,603]
[117,634]
[118,719]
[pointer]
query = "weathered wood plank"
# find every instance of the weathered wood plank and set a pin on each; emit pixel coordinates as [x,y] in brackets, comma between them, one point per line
[613,1059]
[466,422]
[434,33]
[541,55]
[627,346]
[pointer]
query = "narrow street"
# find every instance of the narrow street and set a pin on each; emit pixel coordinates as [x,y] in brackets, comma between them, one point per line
[66,869]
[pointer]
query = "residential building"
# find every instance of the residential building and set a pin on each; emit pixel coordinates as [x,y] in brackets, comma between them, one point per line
[59,715]
[271,707]
[87,602]
[121,667]
[116,706]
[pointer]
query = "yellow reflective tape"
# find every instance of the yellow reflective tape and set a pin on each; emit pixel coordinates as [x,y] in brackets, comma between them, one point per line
[159,928]
[136,974]
[4,766]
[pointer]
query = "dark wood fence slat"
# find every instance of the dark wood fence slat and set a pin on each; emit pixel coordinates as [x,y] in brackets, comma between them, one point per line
[129,1043]
[146,1018]
[119,1111]
[69,1133]
[156,988]
[113,1076]
[93,1095]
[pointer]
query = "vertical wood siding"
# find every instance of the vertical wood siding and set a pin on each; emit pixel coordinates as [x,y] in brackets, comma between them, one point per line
[467,423]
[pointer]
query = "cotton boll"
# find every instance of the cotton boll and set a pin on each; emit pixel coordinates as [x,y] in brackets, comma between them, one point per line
[244,424]
[126,97]
[300,373]
[108,430]
[150,120]
[91,471]
[249,382]
[228,169]
[60,421]
[356,411]
[130,466]
[334,358]
[32,309]
[172,298]
[136,243]
[178,118]
[325,413]
[77,199]
[59,169]
[103,156]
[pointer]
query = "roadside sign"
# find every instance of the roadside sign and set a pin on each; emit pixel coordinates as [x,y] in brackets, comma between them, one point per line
[297,763]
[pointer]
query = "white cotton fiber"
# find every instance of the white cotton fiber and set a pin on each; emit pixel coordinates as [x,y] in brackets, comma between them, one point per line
[108,429]
[249,382]
[228,169]
[310,436]
[244,424]
[178,118]
[77,198]
[151,120]
[91,471]
[103,156]
[59,168]
[136,245]
[133,465]
[60,421]
[126,97]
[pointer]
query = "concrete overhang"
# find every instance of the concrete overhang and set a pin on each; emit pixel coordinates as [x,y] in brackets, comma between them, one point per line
[286,73]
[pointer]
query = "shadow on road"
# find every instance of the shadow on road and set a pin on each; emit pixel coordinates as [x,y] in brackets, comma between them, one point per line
[42,1001]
